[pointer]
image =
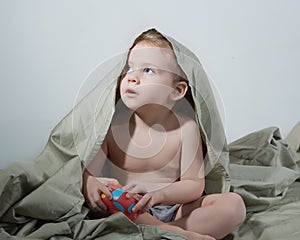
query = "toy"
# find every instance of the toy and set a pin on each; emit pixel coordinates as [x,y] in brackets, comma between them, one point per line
[119,202]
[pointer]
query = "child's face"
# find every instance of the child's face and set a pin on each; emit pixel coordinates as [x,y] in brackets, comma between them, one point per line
[150,77]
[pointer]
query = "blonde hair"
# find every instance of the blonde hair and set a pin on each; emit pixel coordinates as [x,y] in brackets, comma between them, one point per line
[152,36]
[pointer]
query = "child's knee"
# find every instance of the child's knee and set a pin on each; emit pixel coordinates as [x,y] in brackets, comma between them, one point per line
[235,208]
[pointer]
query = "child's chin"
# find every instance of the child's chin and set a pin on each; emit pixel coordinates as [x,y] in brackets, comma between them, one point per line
[131,106]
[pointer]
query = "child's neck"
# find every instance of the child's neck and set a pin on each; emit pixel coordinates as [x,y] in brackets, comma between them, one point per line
[153,116]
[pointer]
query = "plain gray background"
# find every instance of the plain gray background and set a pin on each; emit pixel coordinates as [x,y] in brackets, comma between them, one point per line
[250,50]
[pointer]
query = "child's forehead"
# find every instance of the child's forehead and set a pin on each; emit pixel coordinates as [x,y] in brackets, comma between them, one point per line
[162,57]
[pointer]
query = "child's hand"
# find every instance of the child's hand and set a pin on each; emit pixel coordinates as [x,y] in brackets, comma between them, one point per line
[147,201]
[92,188]
[133,188]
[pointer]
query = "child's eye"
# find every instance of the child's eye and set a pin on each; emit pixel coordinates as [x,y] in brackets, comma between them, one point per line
[129,69]
[148,71]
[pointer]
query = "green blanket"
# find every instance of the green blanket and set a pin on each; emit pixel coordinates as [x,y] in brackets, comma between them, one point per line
[39,207]
[263,170]
[42,199]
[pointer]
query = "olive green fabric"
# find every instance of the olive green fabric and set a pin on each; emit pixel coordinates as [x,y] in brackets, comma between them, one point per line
[280,221]
[42,199]
[208,119]
[262,167]
[35,206]
[264,170]
[293,138]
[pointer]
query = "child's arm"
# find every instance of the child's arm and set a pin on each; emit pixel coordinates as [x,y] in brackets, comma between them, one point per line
[191,184]
[92,185]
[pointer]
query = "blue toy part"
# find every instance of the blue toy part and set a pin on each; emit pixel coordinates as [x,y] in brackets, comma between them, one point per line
[119,206]
[116,194]
[130,207]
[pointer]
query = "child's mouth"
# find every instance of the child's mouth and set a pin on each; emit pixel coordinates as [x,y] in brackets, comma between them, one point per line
[131,92]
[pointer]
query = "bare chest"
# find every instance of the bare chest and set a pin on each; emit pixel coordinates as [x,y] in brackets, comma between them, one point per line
[155,154]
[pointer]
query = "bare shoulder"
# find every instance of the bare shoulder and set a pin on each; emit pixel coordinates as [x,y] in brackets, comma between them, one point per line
[188,125]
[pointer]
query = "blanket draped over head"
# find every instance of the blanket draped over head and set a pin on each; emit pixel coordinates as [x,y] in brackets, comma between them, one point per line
[43,198]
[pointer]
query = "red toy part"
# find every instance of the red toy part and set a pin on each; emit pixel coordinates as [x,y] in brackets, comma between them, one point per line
[119,202]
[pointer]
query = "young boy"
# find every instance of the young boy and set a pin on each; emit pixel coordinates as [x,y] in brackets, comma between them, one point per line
[157,152]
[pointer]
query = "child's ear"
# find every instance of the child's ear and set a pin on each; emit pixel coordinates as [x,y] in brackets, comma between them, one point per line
[179,91]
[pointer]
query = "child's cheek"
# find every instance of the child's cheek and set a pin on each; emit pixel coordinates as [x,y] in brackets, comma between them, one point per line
[122,88]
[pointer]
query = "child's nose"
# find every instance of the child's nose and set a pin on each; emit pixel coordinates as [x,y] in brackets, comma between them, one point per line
[133,77]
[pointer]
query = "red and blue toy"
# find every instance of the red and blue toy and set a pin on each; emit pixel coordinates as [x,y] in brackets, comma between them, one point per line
[119,202]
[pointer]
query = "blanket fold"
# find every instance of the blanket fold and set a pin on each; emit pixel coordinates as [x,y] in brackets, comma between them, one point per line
[262,167]
[293,138]
[54,209]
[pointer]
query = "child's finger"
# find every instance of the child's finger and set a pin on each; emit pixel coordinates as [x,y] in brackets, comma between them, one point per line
[105,191]
[97,208]
[142,203]
[101,205]
[129,187]
[93,205]
[107,181]
[131,190]
[137,196]
[130,194]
